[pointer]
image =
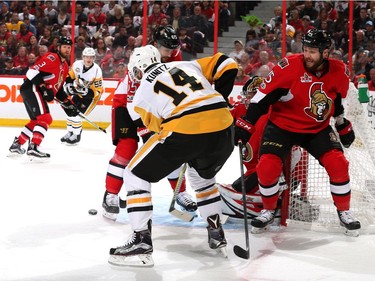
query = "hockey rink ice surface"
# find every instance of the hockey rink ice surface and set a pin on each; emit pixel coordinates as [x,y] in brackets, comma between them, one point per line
[47,234]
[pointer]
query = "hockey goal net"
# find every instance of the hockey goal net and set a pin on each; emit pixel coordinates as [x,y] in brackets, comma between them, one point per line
[308,202]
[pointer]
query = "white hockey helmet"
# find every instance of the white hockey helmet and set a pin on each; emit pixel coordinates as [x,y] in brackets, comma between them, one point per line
[88,52]
[141,59]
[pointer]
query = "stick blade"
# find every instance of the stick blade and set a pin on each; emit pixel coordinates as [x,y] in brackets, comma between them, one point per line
[181,215]
[240,252]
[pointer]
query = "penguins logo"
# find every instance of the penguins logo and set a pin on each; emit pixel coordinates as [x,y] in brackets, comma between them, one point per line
[320,104]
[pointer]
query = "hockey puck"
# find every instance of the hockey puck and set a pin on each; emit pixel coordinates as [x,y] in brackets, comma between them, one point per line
[93,212]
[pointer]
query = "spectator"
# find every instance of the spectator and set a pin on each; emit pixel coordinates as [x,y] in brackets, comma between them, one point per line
[241,77]
[361,64]
[120,71]
[177,21]
[138,41]
[80,16]
[309,10]
[46,38]
[245,63]
[238,51]
[371,82]
[156,16]
[131,44]
[187,51]
[26,14]
[263,46]
[63,17]
[110,61]
[118,16]
[295,21]
[53,48]
[98,17]
[332,12]
[23,37]
[84,32]
[360,23]
[131,30]
[224,15]
[187,9]
[306,24]
[41,20]
[121,38]
[263,60]
[9,67]
[323,16]
[14,25]
[278,12]
[50,11]
[5,15]
[263,71]
[79,46]
[167,8]
[200,23]
[108,8]
[20,60]
[43,49]
[296,44]
[135,9]
[101,50]
[370,31]
[90,8]
[4,35]
[33,47]
[31,58]
[252,41]
[336,54]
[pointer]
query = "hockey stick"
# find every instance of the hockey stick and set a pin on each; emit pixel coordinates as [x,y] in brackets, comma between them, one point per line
[177,213]
[239,251]
[83,117]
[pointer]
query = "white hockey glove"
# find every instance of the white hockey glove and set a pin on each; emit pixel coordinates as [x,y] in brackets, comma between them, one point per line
[69,88]
[80,88]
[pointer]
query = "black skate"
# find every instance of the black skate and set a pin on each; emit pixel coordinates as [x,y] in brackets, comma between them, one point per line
[185,200]
[216,237]
[261,222]
[66,136]
[73,139]
[351,225]
[33,151]
[110,205]
[136,251]
[16,148]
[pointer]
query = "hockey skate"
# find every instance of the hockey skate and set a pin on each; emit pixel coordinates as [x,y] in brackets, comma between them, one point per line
[66,136]
[260,223]
[185,200]
[216,237]
[351,225]
[35,153]
[136,251]
[16,148]
[73,139]
[110,205]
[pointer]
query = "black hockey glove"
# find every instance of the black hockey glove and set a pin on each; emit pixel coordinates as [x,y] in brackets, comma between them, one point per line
[48,94]
[243,130]
[69,108]
[346,133]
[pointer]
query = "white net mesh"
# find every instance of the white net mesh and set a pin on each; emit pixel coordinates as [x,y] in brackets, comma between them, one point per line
[311,204]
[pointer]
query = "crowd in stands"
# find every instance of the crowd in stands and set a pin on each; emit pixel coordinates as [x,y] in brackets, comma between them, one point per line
[28,29]
[262,46]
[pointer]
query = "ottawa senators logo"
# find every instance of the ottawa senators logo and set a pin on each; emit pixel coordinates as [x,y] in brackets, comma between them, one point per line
[320,104]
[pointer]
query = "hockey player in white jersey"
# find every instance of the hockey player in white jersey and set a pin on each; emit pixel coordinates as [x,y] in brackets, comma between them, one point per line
[192,124]
[85,84]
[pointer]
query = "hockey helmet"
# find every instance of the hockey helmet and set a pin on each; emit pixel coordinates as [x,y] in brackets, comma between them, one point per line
[166,36]
[88,52]
[315,38]
[251,86]
[141,59]
[63,40]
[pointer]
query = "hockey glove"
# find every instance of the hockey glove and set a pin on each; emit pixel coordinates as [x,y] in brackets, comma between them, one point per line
[81,91]
[243,130]
[69,108]
[69,88]
[48,94]
[346,133]
[144,133]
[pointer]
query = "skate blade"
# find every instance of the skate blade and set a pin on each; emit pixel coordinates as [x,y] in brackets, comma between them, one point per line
[222,252]
[351,233]
[15,155]
[36,159]
[134,260]
[110,216]
[258,230]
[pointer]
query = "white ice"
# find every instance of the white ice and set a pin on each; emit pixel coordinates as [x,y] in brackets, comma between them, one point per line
[47,234]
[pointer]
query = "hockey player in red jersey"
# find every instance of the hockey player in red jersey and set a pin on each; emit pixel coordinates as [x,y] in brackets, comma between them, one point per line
[167,42]
[305,91]
[124,134]
[44,81]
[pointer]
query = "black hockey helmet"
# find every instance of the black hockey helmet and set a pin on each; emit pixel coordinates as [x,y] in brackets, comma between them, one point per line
[63,40]
[315,38]
[166,36]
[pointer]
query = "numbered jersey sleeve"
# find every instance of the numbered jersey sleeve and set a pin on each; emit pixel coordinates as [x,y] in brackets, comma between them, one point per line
[178,97]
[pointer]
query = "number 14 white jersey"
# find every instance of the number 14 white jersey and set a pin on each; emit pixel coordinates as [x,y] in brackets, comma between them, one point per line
[179,96]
